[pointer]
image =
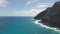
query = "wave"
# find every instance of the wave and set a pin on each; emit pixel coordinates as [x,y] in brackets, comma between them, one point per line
[55,29]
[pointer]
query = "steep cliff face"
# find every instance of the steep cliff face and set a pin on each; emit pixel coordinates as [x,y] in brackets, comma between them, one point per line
[41,15]
[50,16]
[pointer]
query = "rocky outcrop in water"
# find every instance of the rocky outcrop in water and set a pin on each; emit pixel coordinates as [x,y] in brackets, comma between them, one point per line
[50,16]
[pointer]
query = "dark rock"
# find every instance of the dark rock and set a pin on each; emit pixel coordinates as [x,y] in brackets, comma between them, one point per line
[41,15]
[50,16]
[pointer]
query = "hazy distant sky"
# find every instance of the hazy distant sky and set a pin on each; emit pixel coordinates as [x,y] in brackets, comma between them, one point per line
[24,7]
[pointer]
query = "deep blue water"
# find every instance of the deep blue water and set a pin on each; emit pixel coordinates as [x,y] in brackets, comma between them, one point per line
[22,25]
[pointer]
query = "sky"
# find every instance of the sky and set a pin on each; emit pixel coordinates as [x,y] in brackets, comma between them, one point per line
[24,7]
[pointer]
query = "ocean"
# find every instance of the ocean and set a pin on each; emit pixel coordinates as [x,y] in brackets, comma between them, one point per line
[23,25]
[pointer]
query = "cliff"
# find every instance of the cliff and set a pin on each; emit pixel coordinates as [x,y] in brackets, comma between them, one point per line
[41,15]
[50,16]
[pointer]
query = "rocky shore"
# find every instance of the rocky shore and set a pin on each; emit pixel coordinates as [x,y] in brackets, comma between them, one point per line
[50,16]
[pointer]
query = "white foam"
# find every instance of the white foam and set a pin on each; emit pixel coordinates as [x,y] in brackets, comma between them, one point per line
[36,22]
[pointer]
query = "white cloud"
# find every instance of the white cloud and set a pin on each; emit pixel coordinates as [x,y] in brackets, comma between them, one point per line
[31,12]
[41,6]
[45,4]
[32,1]
[3,3]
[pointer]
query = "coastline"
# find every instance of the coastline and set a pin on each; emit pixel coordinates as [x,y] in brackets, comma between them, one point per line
[40,24]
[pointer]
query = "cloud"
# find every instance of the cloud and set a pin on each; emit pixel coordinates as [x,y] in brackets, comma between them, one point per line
[3,3]
[31,12]
[32,1]
[42,6]
[45,4]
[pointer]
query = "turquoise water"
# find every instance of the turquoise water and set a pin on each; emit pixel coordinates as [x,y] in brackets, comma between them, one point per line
[22,25]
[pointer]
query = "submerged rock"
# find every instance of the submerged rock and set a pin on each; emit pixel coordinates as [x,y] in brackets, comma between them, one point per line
[50,16]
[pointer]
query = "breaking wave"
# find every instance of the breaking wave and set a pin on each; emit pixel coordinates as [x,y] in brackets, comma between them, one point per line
[40,24]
